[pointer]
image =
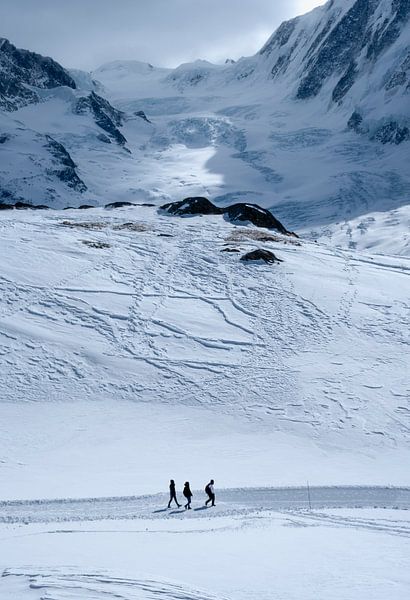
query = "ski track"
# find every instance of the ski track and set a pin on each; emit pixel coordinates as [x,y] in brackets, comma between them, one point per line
[67,584]
[229,502]
[120,303]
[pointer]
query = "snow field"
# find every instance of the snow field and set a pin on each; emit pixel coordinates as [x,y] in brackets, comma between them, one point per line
[263,555]
[159,357]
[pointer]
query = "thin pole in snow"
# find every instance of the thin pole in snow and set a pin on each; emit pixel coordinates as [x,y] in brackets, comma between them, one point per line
[308,491]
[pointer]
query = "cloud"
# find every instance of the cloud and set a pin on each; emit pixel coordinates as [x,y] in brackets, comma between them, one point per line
[87,33]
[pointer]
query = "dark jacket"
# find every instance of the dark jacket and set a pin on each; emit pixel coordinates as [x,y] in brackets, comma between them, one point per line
[187,492]
[172,488]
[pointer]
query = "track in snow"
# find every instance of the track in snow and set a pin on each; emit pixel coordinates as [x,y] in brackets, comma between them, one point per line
[229,502]
[59,584]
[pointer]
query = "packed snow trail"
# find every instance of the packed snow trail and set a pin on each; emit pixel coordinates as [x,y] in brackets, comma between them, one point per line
[229,502]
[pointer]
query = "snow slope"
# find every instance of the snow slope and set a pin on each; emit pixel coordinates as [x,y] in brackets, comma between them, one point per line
[134,348]
[158,340]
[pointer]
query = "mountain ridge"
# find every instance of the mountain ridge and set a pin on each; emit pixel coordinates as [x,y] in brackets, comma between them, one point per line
[335,105]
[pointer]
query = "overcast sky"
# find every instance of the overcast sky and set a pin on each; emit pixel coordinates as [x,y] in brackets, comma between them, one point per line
[86,33]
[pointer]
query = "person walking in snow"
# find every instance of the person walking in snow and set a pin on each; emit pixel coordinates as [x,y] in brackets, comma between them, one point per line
[210,491]
[172,494]
[188,495]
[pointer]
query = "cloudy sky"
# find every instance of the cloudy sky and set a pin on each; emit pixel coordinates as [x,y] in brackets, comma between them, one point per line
[86,33]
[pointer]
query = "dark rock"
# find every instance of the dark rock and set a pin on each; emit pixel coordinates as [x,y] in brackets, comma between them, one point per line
[85,206]
[262,255]
[280,37]
[21,70]
[119,204]
[261,217]
[142,115]
[230,250]
[104,138]
[28,206]
[23,205]
[356,123]
[337,51]
[237,213]
[388,31]
[106,116]
[401,76]
[4,206]
[65,166]
[96,244]
[391,133]
[345,83]
[386,133]
[4,137]
[167,235]
[192,206]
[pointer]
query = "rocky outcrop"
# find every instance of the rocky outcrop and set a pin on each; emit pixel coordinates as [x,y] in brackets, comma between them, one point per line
[23,206]
[142,115]
[261,255]
[356,123]
[236,213]
[252,213]
[386,132]
[391,133]
[106,116]
[65,168]
[360,31]
[21,70]
[119,204]
[338,44]
[192,206]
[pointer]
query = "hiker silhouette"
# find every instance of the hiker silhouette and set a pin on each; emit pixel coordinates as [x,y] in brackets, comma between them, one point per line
[172,494]
[210,491]
[188,495]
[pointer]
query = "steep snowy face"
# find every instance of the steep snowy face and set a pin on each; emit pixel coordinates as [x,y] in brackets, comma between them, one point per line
[20,70]
[341,41]
[352,53]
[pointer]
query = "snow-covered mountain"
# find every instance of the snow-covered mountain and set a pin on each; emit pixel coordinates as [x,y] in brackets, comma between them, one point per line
[314,127]
[139,344]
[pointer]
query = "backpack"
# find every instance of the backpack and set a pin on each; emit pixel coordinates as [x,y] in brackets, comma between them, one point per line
[207,490]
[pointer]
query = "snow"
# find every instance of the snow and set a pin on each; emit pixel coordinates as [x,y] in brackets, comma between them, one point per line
[165,355]
[263,555]
[152,354]
[235,133]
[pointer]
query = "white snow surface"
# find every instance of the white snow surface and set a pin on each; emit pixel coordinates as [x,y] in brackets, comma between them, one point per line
[133,349]
[160,354]
[342,554]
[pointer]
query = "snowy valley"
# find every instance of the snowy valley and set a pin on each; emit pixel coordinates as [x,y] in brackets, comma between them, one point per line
[137,345]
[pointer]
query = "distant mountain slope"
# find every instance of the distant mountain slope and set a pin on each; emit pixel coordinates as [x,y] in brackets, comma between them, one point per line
[350,52]
[315,126]
[43,118]
[21,70]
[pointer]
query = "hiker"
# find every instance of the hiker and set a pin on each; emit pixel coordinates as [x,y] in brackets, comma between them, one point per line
[172,494]
[209,489]
[188,495]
